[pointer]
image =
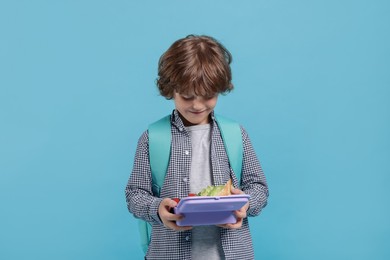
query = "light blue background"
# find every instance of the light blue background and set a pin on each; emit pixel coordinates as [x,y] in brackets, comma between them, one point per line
[77,89]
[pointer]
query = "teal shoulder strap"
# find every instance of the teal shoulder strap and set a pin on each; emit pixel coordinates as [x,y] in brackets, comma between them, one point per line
[232,138]
[145,231]
[160,138]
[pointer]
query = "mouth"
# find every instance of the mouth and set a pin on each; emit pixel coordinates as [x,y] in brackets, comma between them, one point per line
[197,112]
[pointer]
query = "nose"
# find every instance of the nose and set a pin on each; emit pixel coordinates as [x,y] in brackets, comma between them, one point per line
[197,103]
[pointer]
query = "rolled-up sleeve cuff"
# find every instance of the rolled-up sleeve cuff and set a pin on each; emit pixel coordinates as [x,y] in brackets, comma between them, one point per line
[153,210]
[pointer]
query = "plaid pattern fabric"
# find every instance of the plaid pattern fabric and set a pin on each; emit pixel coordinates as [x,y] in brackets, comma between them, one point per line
[169,244]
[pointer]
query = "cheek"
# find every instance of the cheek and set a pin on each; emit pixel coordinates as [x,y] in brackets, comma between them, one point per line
[212,103]
[179,103]
[182,106]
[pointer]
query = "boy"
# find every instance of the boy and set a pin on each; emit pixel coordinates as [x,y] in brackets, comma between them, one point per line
[193,72]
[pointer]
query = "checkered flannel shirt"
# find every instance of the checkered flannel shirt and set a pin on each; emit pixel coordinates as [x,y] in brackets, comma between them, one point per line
[168,244]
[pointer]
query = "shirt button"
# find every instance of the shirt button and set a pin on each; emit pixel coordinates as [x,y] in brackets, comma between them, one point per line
[181,129]
[187,238]
[187,152]
[185,179]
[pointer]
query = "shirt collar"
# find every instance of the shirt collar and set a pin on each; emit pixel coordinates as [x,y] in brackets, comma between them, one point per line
[177,122]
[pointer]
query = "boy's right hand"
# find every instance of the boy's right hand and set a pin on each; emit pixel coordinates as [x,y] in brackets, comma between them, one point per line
[169,219]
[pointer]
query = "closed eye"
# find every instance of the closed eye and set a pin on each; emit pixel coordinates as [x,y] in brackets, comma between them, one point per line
[209,97]
[188,98]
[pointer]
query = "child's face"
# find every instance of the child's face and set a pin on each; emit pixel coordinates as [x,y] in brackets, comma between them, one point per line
[194,110]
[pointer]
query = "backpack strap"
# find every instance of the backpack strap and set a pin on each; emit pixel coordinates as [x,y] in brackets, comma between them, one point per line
[159,134]
[145,232]
[160,138]
[232,139]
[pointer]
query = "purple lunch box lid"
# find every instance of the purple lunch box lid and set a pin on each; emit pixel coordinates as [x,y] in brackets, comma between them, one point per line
[205,210]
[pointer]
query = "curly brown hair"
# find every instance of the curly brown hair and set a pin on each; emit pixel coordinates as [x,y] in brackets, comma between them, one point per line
[197,65]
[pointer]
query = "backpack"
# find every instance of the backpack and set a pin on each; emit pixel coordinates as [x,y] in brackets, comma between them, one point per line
[160,139]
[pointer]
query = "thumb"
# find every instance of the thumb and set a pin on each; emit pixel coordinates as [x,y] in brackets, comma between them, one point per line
[168,203]
[172,203]
[236,191]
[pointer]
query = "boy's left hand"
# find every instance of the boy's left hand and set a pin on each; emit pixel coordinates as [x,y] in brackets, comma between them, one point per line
[240,214]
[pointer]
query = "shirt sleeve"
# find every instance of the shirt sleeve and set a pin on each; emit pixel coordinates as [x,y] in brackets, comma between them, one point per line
[253,180]
[139,196]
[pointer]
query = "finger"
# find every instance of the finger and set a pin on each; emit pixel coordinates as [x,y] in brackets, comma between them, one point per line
[173,217]
[236,191]
[236,225]
[166,214]
[230,226]
[169,204]
[166,206]
[240,214]
[172,203]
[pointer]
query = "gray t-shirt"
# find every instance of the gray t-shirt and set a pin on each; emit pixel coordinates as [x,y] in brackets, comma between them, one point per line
[206,240]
